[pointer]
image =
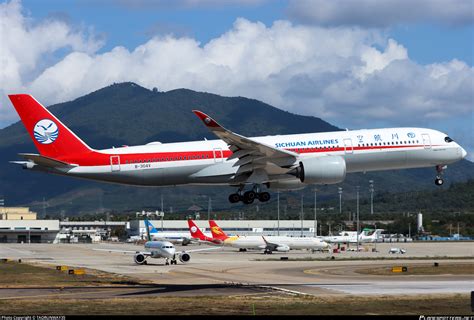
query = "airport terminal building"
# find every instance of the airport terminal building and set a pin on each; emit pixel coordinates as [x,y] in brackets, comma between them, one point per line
[294,228]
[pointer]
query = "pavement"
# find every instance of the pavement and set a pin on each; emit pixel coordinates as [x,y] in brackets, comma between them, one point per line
[229,272]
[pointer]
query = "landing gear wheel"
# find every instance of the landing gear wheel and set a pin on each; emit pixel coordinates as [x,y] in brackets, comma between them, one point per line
[167,263]
[264,196]
[439,180]
[174,261]
[249,197]
[234,198]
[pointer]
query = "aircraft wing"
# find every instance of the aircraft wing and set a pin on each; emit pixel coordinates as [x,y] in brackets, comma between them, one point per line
[203,249]
[256,159]
[145,253]
[269,245]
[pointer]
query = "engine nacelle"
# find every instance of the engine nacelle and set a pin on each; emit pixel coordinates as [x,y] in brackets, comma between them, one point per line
[283,248]
[184,257]
[139,258]
[322,170]
[286,185]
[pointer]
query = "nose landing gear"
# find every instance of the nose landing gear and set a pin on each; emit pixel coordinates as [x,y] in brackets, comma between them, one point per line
[439,177]
[249,196]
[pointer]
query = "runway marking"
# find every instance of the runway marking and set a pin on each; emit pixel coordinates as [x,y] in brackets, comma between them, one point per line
[287,291]
[249,294]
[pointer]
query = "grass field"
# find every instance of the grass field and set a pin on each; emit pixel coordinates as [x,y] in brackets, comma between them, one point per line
[427,269]
[14,274]
[245,305]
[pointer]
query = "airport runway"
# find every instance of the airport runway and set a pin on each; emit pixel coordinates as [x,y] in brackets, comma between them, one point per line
[223,271]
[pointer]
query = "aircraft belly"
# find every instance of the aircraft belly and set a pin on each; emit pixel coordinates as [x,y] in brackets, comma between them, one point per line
[400,159]
[158,176]
[376,161]
[432,156]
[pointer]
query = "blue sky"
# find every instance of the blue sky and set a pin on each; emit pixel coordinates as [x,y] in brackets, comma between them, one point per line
[426,42]
[356,64]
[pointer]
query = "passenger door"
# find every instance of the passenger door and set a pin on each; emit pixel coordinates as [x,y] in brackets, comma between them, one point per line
[218,156]
[426,140]
[115,163]
[348,148]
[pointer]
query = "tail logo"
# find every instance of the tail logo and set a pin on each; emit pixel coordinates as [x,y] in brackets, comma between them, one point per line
[45,131]
[216,230]
[193,229]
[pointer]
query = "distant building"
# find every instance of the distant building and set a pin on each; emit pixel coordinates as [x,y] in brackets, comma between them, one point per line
[17,213]
[28,231]
[231,227]
[350,223]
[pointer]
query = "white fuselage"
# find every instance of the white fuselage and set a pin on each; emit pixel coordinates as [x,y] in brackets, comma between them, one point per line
[174,237]
[351,237]
[257,242]
[160,249]
[204,162]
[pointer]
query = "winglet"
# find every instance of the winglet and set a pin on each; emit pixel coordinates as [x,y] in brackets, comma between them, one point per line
[208,121]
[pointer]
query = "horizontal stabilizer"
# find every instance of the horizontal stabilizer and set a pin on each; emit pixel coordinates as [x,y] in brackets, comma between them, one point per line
[45,161]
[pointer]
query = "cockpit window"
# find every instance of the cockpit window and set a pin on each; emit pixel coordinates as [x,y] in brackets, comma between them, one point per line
[448,139]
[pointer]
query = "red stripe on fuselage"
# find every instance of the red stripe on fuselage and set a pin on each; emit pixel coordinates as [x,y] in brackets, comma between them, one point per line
[96,158]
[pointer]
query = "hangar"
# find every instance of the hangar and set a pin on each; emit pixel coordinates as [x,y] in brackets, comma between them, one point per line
[28,231]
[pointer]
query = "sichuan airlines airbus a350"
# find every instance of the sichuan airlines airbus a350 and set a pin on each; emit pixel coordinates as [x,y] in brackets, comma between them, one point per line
[280,162]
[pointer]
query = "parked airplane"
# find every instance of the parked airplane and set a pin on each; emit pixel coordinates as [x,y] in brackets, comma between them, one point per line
[266,243]
[157,249]
[277,162]
[397,251]
[182,238]
[196,233]
[351,236]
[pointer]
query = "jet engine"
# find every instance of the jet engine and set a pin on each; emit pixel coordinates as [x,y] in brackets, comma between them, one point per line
[282,248]
[286,185]
[321,170]
[139,258]
[184,257]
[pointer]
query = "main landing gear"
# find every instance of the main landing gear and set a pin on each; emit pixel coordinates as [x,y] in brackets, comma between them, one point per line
[439,177]
[249,196]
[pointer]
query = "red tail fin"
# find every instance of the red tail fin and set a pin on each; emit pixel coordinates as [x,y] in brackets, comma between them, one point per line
[52,138]
[216,230]
[195,231]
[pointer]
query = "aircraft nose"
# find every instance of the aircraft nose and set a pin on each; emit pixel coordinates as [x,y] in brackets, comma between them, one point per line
[463,153]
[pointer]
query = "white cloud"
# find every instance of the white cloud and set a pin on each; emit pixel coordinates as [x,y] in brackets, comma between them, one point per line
[376,13]
[349,76]
[25,46]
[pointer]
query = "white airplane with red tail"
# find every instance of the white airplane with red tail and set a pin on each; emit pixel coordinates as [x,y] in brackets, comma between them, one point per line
[284,162]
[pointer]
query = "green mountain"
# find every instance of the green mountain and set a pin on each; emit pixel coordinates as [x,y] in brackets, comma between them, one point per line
[127,114]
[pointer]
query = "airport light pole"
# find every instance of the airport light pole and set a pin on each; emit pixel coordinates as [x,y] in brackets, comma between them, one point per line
[209,206]
[278,212]
[315,212]
[339,190]
[357,234]
[377,237]
[302,214]
[371,189]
